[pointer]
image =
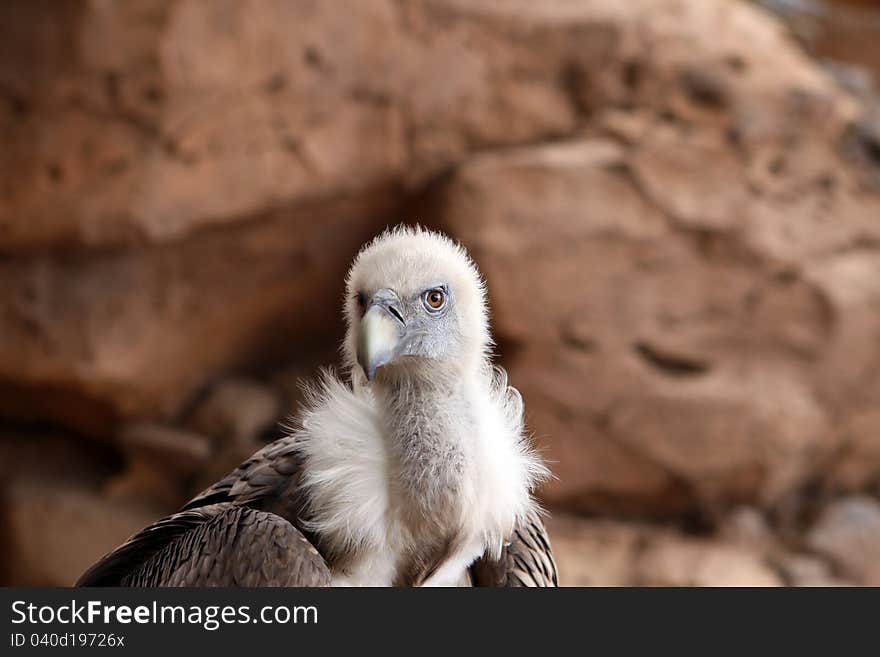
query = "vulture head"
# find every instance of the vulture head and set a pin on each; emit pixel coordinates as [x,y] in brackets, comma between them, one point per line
[415,306]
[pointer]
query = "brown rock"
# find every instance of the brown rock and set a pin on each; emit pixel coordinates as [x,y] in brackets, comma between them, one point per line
[160,461]
[680,310]
[54,531]
[151,140]
[729,440]
[661,371]
[171,215]
[806,570]
[857,465]
[848,533]
[841,30]
[54,456]
[670,560]
[667,167]
[287,142]
[599,552]
[746,526]
[184,452]
[593,474]
[146,482]
[594,552]
[54,520]
[236,411]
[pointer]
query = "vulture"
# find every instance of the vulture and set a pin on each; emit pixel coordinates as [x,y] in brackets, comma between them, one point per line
[412,469]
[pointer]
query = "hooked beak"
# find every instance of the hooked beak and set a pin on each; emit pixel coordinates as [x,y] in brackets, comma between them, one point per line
[381,332]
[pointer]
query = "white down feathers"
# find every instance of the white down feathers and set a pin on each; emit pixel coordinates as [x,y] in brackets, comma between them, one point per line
[346,468]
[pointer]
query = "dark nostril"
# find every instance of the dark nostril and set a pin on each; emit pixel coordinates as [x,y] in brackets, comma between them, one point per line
[394,311]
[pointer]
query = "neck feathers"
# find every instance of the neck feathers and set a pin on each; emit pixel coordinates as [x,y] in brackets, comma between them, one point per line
[430,441]
[409,470]
[430,429]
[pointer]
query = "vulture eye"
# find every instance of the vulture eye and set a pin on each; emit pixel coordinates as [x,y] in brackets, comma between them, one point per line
[434,299]
[361,300]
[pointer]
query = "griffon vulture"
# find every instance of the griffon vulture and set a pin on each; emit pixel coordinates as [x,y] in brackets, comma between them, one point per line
[413,471]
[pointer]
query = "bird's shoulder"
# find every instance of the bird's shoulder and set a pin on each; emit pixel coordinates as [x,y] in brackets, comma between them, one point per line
[526,560]
[251,517]
[215,545]
[271,471]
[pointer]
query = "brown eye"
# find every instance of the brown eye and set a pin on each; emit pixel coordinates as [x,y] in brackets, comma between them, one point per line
[361,300]
[435,299]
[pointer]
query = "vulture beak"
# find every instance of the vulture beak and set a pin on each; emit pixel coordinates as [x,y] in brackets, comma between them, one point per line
[381,332]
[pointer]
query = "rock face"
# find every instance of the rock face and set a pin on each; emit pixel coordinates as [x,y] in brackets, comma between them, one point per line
[686,290]
[841,30]
[169,214]
[614,553]
[848,533]
[56,532]
[675,208]
[55,519]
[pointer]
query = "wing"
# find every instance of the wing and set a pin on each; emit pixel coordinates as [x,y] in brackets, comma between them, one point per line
[526,560]
[242,531]
[217,545]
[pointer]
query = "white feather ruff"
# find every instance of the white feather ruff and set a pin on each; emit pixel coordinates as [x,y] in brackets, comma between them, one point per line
[344,450]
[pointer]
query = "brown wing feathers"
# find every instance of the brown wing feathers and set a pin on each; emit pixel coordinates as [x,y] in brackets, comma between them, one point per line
[239,532]
[526,560]
[245,530]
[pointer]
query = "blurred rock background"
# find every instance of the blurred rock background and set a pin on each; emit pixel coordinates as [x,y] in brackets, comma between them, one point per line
[676,204]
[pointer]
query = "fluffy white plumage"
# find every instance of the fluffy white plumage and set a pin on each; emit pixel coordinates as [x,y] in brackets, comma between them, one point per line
[433,446]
